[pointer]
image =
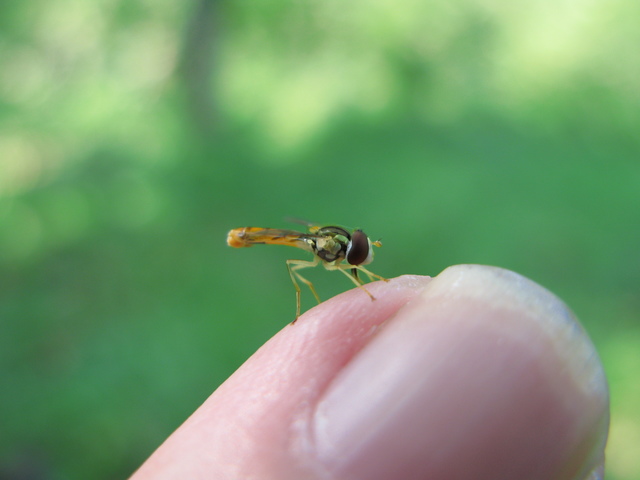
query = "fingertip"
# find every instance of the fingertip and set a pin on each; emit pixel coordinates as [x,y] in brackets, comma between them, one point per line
[478,373]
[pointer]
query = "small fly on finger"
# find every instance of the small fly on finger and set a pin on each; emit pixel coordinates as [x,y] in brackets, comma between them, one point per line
[335,247]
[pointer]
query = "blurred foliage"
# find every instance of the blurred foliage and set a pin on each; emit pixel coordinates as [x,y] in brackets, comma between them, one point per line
[134,134]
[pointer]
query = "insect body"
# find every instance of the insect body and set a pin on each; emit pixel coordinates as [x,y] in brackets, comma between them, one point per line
[331,246]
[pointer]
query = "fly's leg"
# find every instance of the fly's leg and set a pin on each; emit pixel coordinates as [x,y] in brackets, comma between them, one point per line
[357,282]
[293,266]
[369,274]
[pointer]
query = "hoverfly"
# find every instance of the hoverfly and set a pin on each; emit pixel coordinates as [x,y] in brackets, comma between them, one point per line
[330,245]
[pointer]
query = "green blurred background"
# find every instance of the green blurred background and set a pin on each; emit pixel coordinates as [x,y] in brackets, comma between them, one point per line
[135,134]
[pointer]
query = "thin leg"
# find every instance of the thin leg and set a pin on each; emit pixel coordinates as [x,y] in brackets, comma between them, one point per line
[371,275]
[354,279]
[293,266]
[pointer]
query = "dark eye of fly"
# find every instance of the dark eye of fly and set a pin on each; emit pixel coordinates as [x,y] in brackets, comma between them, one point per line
[358,250]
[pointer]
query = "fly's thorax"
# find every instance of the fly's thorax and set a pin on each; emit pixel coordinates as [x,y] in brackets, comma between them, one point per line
[331,248]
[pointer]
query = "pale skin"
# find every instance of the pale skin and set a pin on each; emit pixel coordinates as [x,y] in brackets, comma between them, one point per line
[475,374]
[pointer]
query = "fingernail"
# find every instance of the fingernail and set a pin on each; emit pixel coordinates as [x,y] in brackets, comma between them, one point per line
[478,377]
[595,474]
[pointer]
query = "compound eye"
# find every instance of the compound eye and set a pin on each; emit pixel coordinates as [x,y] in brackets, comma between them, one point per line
[359,249]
